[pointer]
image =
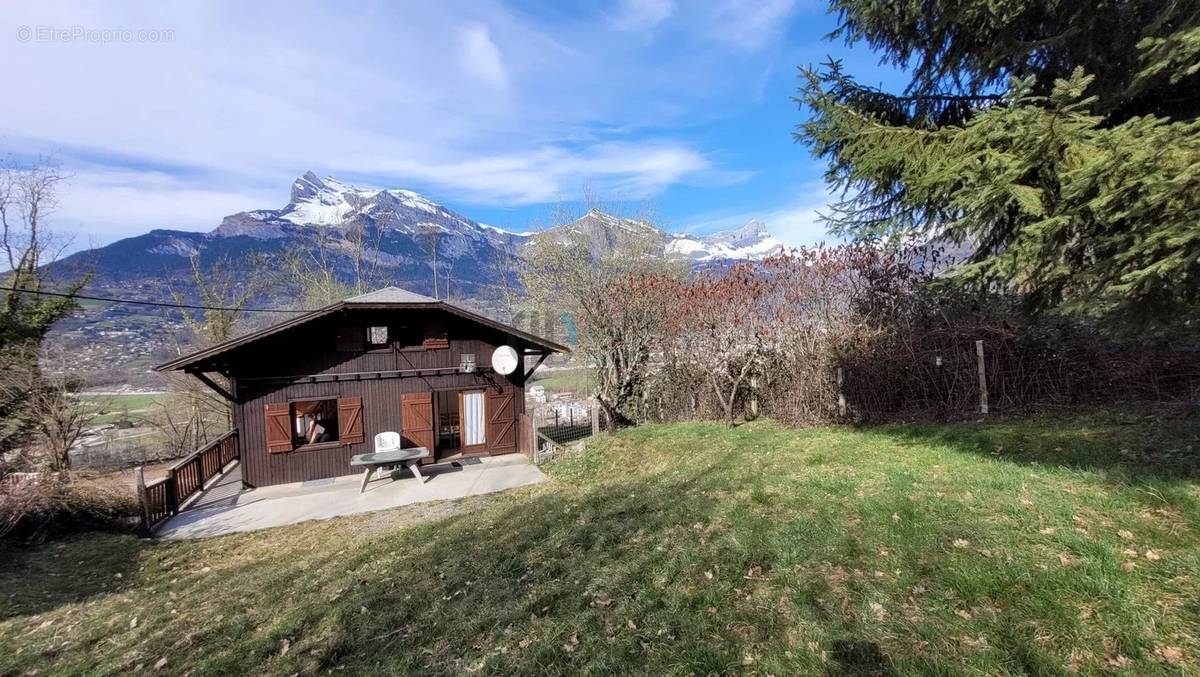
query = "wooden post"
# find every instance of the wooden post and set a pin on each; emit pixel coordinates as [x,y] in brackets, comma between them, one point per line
[983,393]
[536,425]
[140,477]
[754,396]
[595,409]
[841,394]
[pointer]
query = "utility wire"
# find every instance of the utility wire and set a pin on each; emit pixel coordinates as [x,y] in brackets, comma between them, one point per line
[159,304]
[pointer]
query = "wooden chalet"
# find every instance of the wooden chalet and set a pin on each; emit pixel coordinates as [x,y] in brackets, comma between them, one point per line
[309,393]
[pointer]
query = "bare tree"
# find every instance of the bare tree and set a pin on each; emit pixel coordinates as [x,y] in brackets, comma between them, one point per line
[333,268]
[431,234]
[721,324]
[363,251]
[225,291]
[609,288]
[191,410]
[188,415]
[27,199]
[59,419]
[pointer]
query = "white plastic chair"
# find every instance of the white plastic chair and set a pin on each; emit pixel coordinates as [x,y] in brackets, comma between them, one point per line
[389,441]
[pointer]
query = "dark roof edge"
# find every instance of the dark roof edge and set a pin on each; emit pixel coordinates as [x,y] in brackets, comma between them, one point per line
[212,351]
[232,343]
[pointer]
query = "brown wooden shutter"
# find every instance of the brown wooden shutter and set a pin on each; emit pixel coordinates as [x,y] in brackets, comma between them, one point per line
[350,339]
[435,337]
[350,423]
[416,422]
[501,419]
[279,427]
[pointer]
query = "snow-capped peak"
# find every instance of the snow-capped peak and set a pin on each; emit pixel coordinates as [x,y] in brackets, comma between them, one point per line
[321,202]
[751,241]
[596,218]
[330,202]
[750,234]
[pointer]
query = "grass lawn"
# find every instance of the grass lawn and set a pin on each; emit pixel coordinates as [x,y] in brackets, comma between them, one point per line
[109,408]
[570,380]
[1044,546]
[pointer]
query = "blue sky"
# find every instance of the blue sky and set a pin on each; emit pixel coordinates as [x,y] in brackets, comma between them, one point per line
[496,110]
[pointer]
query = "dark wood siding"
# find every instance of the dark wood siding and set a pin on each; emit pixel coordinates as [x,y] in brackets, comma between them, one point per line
[274,371]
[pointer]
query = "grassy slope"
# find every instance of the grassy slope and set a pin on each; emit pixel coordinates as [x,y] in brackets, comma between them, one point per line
[572,380]
[109,408]
[1022,547]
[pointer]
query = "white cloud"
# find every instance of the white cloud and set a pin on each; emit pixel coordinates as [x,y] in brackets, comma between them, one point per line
[749,24]
[480,57]
[132,202]
[547,174]
[245,97]
[642,15]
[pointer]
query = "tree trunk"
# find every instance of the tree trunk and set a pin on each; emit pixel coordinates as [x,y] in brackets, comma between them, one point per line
[612,416]
[610,421]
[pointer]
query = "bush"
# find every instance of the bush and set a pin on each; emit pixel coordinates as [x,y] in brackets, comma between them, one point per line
[854,333]
[52,504]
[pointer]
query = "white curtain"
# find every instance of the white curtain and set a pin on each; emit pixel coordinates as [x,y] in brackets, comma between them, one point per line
[472,418]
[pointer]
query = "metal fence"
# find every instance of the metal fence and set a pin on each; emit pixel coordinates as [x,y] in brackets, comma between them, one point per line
[561,428]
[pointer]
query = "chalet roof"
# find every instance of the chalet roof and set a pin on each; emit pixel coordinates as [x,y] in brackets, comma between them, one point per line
[388,297]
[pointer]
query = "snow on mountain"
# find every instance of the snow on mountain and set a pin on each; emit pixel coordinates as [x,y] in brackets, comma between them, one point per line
[315,202]
[330,203]
[502,231]
[403,223]
[751,241]
[403,226]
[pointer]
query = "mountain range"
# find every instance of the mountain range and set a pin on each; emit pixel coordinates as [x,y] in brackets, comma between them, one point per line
[401,228]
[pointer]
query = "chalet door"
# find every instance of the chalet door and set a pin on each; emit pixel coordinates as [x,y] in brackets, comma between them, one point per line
[416,422]
[472,419]
[501,420]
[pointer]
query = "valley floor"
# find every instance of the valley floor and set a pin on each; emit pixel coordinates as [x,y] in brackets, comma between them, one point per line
[1045,545]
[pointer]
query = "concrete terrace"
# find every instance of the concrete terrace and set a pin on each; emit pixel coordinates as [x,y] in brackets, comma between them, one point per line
[225,507]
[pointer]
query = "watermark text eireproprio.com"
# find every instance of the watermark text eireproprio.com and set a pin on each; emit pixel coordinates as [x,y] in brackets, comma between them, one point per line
[88,35]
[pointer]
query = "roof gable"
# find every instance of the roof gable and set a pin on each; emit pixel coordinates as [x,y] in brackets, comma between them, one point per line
[388,297]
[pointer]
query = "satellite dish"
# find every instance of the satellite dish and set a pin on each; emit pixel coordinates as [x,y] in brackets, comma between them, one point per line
[504,360]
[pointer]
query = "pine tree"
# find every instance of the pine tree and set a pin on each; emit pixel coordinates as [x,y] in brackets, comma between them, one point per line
[1059,141]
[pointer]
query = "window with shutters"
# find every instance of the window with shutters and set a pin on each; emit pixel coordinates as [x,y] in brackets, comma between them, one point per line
[314,422]
[279,427]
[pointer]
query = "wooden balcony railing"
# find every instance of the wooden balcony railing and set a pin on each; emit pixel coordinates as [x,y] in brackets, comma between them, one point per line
[163,498]
[158,502]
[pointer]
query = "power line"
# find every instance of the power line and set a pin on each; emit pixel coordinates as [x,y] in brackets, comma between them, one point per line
[182,306]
